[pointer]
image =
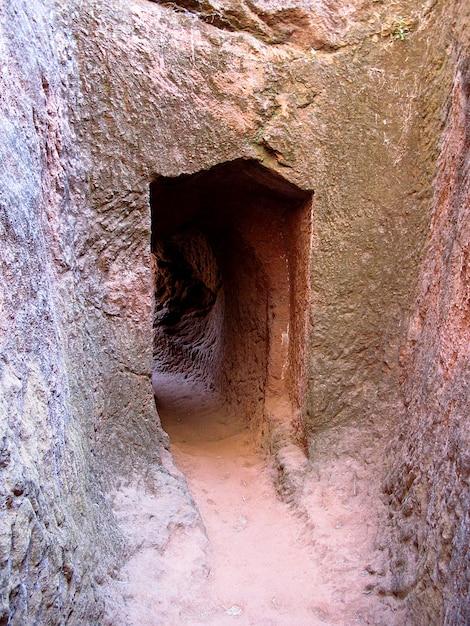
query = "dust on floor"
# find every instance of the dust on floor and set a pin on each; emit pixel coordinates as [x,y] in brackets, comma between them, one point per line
[254,560]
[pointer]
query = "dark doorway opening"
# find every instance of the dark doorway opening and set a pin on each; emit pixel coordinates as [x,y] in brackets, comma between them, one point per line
[231,249]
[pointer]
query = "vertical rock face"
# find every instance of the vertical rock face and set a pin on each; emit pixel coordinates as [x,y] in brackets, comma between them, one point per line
[428,485]
[51,506]
[99,101]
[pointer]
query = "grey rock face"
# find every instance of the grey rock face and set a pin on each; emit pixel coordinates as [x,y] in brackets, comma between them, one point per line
[52,507]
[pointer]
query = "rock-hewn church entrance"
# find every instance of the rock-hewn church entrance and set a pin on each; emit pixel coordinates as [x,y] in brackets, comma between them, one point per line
[231,248]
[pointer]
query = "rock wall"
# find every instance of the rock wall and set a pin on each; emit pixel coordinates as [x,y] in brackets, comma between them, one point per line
[101,99]
[339,119]
[56,535]
[428,481]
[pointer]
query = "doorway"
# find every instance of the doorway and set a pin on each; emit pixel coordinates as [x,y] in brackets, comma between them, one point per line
[231,251]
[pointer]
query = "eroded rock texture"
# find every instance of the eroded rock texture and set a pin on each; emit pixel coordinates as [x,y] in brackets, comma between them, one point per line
[346,100]
[428,483]
[333,123]
[54,522]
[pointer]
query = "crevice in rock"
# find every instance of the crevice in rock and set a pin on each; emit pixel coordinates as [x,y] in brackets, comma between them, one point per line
[205,12]
[231,252]
[276,25]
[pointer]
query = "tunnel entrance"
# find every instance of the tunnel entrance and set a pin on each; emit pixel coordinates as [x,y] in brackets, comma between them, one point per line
[231,250]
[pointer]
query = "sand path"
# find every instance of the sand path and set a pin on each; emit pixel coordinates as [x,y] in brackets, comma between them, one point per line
[265,563]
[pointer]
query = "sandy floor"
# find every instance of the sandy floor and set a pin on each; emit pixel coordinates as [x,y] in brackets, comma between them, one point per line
[255,560]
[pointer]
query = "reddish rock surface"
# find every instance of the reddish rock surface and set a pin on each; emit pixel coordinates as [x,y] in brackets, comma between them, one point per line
[365,104]
[428,483]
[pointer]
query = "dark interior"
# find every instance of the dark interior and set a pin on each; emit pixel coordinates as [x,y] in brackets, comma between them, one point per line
[223,242]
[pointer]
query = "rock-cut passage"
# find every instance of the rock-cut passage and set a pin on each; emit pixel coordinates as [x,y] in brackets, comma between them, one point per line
[231,252]
[231,249]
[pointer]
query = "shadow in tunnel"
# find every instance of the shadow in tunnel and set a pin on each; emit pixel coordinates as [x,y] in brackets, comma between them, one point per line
[231,249]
